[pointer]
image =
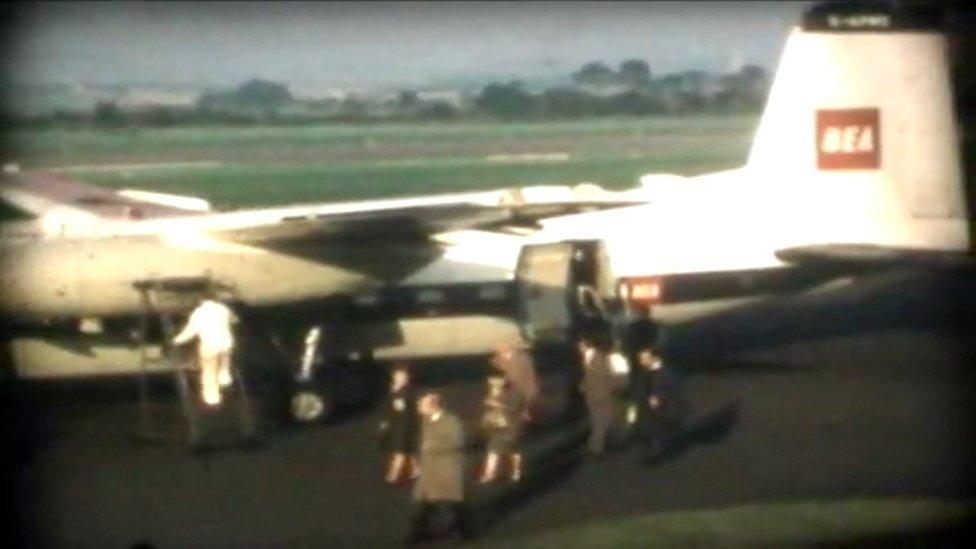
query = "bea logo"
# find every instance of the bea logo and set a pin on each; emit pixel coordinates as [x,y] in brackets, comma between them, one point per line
[848,139]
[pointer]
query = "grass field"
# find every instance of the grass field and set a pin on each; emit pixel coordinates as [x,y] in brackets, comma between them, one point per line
[277,165]
[855,522]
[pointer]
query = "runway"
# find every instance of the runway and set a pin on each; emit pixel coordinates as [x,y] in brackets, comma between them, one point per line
[867,412]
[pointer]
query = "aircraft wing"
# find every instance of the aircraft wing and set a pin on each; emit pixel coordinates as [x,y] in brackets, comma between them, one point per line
[874,256]
[409,218]
[44,193]
[52,197]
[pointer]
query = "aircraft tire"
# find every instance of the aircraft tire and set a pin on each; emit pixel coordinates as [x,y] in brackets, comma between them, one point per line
[310,405]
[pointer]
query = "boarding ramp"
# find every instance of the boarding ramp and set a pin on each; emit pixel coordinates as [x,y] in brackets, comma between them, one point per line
[159,296]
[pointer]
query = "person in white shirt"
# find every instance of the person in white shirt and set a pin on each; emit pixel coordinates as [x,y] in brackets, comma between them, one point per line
[210,323]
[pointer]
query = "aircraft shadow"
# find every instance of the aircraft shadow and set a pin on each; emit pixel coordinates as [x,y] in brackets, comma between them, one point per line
[901,299]
[950,534]
[551,460]
[710,428]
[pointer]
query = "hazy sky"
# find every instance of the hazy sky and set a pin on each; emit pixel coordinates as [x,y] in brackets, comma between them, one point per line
[345,43]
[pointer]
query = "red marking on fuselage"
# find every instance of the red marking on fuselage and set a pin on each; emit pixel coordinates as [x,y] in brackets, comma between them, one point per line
[848,139]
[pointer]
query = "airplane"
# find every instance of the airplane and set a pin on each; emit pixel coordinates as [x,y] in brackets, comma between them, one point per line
[91,282]
[855,166]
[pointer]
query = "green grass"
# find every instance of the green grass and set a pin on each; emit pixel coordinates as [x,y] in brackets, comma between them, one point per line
[61,143]
[785,524]
[246,185]
[280,165]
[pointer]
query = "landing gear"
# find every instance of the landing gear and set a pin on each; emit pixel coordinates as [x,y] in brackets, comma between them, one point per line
[318,389]
[310,400]
[310,404]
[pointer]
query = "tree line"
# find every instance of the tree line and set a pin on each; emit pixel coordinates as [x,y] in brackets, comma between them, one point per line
[596,89]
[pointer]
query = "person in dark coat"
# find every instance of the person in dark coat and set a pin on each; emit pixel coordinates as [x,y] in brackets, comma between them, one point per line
[441,481]
[399,426]
[639,331]
[502,421]
[597,388]
[658,403]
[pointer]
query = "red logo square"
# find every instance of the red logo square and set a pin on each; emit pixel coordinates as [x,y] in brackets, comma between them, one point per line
[848,139]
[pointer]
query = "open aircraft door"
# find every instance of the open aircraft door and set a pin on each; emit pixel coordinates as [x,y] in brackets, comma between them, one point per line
[560,287]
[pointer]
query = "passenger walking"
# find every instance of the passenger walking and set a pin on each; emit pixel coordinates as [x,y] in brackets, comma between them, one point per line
[440,485]
[502,420]
[399,427]
[210,323]
[597,388]
[515,363]
[658,404]
[639,331]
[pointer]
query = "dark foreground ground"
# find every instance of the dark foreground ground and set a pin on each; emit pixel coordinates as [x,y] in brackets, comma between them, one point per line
[872,408]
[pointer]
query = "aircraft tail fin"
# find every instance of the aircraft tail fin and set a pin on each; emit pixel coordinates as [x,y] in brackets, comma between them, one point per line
[859,136]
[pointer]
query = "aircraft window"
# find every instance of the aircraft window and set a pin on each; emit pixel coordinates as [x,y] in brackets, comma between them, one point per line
[367,299]
[494,292]
[430,296]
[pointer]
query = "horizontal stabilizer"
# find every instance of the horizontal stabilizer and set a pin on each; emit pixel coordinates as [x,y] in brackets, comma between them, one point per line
[865,255]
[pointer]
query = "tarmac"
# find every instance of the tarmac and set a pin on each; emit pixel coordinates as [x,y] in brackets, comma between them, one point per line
[867,394]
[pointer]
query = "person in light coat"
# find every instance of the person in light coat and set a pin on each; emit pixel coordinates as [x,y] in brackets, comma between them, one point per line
[210,323]
[502,418]
[515,363]
[441,481]
[598,391]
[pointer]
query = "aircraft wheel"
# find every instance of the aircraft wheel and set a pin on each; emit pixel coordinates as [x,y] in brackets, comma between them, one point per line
[310,406]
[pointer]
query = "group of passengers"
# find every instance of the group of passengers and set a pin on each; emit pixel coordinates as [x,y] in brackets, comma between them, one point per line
[511,396]
[623,382]
[426,442]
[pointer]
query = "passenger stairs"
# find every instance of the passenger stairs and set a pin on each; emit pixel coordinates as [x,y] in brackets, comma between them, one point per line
[205,427]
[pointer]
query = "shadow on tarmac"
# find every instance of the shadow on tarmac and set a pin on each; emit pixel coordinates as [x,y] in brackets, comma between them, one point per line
[710,428]
[551,459]
[898,299]
[952,534]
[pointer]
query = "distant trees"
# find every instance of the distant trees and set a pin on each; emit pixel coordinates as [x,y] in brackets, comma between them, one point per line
[595,89]
[634,73]
[568,103]
[107,114]
[507,100]
[599,90]
[262,98]
[743,90]
[438,110]
[594,74]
